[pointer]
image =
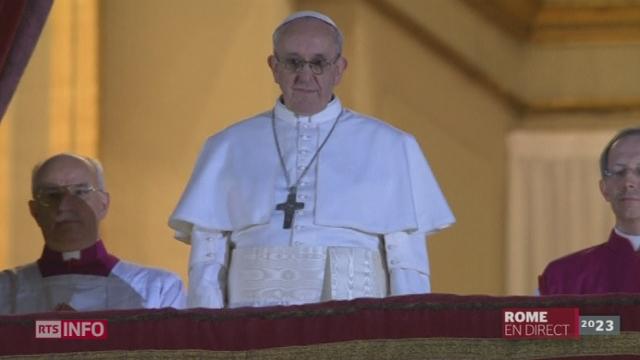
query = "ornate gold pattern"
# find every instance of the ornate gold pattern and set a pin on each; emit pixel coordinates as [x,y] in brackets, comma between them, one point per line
[390,349]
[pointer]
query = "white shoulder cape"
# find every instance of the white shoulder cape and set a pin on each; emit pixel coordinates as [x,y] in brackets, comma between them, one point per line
[371,177]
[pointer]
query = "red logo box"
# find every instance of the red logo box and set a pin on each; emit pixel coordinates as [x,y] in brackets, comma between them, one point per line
[71,329]
[541,323]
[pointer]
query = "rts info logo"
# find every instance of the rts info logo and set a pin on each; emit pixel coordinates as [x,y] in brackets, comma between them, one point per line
[71,329]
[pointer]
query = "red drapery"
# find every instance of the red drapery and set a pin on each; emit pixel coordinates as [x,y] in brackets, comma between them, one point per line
[427,326]
[21,22]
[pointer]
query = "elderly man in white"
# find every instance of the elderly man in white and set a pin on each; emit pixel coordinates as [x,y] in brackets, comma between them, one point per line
[75,271]
[309,201]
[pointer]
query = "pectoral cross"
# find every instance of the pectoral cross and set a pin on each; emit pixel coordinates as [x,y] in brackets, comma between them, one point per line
[289,207]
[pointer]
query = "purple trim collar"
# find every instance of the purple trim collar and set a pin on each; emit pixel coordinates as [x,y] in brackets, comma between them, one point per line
[94,260]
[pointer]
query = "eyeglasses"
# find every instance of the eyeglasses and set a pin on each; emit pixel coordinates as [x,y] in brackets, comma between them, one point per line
[53,195]
[296,65]
[621,173]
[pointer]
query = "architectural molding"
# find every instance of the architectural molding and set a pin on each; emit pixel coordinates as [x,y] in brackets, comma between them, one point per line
[569,24]
[474,73]
[551,21]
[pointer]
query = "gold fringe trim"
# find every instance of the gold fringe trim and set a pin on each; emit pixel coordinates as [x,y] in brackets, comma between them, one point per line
[407,349]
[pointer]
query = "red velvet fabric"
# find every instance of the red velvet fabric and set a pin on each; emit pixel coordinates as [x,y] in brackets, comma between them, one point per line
[21,22]
[11,12]
[405,317]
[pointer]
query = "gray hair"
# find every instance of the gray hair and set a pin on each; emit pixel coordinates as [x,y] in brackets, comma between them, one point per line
[94,164]
[604,157]
[309,15]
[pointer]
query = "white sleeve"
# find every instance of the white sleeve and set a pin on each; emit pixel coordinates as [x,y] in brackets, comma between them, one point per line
[207,268]
[173,293]
[408,263]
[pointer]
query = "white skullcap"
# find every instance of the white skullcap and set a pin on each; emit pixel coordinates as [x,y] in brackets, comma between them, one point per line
[309,14]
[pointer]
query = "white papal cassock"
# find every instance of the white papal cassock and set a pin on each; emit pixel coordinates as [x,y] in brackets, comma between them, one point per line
[369,200]
[100,283]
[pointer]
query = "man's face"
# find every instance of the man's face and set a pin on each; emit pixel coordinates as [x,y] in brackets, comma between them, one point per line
[305,92]
[68,204]
[622,187]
